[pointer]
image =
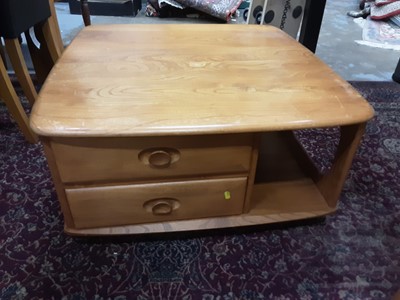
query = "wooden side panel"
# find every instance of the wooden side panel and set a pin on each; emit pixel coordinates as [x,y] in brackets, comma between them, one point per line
[132,204]
[331,184]
[252,172]
[57,182]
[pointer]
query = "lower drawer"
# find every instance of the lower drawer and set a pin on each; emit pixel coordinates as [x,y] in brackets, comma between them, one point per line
[155,202]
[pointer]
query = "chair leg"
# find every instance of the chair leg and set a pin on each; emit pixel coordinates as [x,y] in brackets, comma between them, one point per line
[50,37]
[7,93]
[18,62]
[55,25]
[85,13]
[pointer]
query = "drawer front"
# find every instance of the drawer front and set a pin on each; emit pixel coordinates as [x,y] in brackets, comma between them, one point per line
[115,159]
[145,203]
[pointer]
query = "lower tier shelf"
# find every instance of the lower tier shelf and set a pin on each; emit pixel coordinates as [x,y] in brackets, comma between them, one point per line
[272,202]
[287,187]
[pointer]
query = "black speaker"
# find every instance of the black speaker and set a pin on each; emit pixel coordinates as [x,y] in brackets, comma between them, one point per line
[107,7]
[17,16]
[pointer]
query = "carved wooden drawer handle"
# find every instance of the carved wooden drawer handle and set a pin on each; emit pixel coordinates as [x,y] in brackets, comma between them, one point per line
[159,157]
[161,206]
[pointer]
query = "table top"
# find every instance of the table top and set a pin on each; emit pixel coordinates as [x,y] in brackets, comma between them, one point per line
[149,80]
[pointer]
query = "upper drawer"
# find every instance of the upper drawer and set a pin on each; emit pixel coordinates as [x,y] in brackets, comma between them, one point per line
[113,159]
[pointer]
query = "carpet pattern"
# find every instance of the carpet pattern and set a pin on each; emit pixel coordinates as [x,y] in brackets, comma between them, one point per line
[353,254]
[379,34]
[222,9]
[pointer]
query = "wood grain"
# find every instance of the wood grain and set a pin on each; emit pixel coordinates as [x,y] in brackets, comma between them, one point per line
[136,80]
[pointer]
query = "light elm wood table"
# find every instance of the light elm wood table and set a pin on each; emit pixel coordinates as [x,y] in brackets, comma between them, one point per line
[157,128]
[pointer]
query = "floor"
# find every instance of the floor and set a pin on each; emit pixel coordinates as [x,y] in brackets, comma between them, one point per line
[336,46]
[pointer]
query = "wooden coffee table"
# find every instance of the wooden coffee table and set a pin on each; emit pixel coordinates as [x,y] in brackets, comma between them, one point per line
[157,128]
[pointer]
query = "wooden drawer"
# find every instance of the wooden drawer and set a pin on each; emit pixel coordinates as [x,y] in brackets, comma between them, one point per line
[116,159]
[144,203]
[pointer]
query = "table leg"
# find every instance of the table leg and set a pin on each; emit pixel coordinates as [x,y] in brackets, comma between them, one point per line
[331,183]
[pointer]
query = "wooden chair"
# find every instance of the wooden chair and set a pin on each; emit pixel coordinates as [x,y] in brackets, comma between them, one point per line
[85,12]
[17,17]
[8,94]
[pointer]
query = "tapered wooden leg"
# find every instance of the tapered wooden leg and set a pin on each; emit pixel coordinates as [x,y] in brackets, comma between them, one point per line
[55,25]
[51,40]
[7,93]
[18,62]
[331,183]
